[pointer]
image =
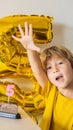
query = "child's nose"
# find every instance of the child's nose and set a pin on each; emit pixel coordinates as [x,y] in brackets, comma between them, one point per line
[55,69]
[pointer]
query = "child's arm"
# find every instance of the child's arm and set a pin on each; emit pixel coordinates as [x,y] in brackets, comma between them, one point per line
[33,53]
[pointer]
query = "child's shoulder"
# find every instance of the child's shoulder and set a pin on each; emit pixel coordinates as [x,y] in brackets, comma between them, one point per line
[49,88]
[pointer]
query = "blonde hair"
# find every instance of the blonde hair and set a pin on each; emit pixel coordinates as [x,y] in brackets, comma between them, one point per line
[59,51]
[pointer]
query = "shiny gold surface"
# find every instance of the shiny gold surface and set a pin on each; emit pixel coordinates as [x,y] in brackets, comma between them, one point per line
[13,57]
[42,27]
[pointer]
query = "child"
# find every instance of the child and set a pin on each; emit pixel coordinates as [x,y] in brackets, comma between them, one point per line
[56,81]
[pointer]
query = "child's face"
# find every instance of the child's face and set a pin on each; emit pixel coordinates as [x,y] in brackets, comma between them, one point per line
[60,72]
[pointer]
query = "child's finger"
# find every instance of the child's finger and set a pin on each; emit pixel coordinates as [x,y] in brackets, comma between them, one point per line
[21,30]
[26,28]
[30,31]
[16,38]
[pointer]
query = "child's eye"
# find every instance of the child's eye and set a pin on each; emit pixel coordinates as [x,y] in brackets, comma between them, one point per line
[49,67]
[60,63]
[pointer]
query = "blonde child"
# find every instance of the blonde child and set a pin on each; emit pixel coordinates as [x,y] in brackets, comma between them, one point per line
[56,82]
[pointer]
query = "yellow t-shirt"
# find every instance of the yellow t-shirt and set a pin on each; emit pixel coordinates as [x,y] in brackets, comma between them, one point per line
[58,114]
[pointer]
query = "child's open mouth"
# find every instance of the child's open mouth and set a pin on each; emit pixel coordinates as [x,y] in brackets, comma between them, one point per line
[59,78]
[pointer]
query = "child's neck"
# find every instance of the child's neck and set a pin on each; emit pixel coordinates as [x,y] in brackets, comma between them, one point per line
[67,92]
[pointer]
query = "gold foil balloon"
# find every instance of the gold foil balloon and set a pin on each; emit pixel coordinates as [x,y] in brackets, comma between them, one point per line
[42,26]
[14,61]
[13,57]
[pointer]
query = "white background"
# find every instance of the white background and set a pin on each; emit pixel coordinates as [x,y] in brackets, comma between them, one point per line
[61,10]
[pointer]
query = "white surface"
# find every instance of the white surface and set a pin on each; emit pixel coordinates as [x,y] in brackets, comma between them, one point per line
[61,10]
[25,123]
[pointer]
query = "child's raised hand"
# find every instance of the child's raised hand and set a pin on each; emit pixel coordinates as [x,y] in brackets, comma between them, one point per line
[27,38]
